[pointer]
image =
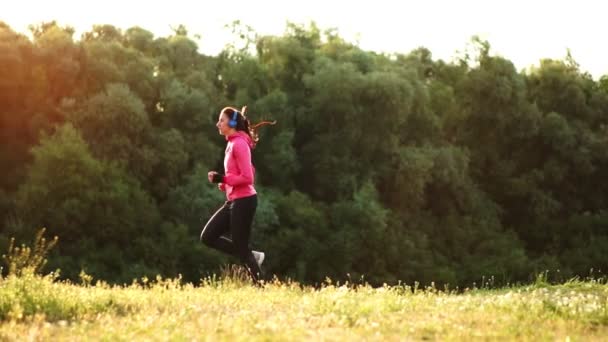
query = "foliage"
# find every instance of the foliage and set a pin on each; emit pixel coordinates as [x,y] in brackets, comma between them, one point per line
[383,167]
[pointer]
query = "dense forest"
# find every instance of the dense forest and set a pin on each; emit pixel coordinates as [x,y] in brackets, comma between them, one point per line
[382,167]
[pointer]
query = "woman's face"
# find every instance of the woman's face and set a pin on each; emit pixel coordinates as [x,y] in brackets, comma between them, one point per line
[222,125]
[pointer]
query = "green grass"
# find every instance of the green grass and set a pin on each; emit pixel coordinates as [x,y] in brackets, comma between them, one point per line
[40,308]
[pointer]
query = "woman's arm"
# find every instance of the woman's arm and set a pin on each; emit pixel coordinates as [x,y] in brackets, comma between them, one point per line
[242,155]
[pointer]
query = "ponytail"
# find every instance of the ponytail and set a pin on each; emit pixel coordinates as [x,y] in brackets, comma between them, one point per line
[243,123]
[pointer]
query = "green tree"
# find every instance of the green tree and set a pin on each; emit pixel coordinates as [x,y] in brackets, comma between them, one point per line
[116,126]
[94,207]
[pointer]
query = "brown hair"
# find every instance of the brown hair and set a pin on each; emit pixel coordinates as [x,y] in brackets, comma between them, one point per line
[243,124]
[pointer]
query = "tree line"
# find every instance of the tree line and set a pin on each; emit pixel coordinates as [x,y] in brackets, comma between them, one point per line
[382,167]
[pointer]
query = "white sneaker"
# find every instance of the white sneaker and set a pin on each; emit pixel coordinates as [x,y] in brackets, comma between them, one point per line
[259,257]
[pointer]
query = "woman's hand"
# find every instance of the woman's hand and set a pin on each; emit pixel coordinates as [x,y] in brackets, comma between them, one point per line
[210,175]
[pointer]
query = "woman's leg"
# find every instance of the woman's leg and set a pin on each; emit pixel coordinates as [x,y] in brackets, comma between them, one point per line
[241,218]
[217,225]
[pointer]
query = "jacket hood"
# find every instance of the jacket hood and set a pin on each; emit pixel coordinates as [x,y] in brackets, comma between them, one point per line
[243,135]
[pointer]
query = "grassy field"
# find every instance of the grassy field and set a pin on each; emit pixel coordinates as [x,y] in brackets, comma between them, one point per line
[41,308]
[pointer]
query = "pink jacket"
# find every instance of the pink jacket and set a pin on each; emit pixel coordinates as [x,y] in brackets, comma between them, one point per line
[239,171]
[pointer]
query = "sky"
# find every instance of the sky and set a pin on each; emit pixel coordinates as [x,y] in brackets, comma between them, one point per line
[521,31]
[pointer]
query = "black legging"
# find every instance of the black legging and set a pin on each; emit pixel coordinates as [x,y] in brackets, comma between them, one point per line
[234,217]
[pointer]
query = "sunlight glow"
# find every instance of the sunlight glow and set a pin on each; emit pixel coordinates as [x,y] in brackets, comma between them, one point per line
[522,31]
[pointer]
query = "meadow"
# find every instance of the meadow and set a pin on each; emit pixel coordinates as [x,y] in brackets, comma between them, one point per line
[36,307]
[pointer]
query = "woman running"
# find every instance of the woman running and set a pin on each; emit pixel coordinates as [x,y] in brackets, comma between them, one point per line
[236,215]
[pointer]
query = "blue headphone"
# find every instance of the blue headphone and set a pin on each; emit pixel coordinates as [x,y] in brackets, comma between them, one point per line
[232,123]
